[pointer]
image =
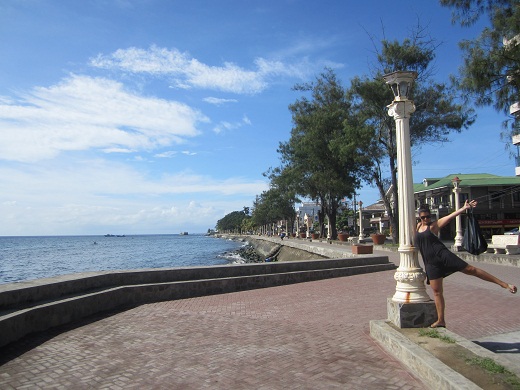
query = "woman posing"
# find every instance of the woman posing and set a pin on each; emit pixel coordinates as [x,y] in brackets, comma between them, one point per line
[440,262]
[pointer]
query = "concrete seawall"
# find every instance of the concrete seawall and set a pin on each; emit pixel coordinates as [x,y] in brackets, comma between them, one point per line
[283,249]
[35,306]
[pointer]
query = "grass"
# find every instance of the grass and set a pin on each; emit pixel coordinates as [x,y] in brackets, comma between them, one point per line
[434,334]
[486,364]
[491,366]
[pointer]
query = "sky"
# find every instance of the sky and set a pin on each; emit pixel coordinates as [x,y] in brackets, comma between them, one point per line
[160,116]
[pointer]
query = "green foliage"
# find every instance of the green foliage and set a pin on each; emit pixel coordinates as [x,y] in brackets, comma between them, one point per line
[434,334]
[342,220]
[487,364]
[273,205]
[491,71]
[232,222]
[494,368]
[437,112]
[322,157]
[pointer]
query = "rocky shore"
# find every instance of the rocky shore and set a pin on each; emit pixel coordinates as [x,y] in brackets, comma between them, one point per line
[258,250]
[249,255]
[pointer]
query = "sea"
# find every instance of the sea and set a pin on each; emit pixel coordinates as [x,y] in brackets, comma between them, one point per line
[27,258]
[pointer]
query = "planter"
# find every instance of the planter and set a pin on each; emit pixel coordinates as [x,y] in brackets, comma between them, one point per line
[303,235]
[293,234]
[315,236]
[378,239]
[343,236]
[362,249]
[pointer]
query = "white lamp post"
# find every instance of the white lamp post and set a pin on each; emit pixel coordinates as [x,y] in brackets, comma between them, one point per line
[360,221]
[457,246]
[409,276]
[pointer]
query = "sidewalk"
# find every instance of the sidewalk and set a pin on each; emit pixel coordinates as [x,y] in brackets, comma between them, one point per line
[304,336]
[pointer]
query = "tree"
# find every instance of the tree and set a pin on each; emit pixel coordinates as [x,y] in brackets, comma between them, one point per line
[437,113]
[273,205]
[490,73]
[232,222]
[321,157]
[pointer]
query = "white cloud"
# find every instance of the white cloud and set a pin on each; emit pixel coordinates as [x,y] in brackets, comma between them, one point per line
[83,113]
[218,101]
[225,125]
[91,197]
[187,71]
[167,154]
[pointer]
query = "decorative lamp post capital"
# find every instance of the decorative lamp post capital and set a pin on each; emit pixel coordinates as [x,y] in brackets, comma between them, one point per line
[401,83]
[456,181]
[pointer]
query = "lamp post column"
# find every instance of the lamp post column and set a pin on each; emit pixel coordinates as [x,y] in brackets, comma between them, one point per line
[409,276]
[410,288]
[457,246]
[361,221]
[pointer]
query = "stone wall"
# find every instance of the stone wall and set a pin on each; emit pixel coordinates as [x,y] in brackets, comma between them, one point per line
[284,252]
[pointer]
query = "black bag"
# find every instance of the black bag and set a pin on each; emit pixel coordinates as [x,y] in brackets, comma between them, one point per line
[474,242]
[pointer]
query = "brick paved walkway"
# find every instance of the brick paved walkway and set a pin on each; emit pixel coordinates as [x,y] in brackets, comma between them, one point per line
[304,336]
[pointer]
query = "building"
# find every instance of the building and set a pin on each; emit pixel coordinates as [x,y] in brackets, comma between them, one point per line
[498,200]
[375,218]
[311,209]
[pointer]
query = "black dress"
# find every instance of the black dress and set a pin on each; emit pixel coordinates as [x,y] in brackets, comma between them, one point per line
[439,261]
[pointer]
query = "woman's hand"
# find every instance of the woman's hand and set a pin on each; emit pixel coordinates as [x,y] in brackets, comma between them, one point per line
[469,204]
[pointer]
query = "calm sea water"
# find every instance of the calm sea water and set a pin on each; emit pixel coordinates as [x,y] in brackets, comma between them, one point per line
[25,258]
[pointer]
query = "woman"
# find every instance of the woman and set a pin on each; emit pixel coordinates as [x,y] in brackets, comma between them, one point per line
[440,262]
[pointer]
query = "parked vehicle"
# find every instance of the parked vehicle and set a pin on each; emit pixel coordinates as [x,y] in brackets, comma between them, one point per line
[513,231]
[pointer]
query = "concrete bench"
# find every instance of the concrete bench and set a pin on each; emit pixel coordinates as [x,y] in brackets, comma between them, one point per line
[508,244]
[352,240]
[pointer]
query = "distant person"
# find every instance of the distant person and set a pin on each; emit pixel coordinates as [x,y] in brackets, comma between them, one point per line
[440,262]
[282,235]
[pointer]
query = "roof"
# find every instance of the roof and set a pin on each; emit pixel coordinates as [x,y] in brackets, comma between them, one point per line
[378,206]
[468,180]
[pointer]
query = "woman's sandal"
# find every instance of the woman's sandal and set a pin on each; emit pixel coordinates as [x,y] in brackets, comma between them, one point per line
[433,326]
[512,288]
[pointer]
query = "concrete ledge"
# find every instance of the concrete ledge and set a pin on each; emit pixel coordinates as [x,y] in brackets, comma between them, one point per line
[482,352]
[15,295]
[65,302]
[435,374]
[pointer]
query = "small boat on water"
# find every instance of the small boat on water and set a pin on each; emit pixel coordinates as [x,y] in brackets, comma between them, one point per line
[115,235]
[184,233]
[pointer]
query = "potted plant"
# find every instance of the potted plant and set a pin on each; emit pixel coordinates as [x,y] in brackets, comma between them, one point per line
[343,235]
[315,233]
[378,238]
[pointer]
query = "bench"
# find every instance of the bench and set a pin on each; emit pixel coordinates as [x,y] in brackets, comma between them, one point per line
[508,244]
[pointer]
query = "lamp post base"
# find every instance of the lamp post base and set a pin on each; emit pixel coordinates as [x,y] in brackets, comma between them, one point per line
[411,315]
[457,248]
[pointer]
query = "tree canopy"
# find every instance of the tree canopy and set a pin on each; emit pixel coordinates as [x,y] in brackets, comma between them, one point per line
[438,113]
[490,73]
[322,156]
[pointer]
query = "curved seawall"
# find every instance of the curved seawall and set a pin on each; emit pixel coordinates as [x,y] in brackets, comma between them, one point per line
[282,250]
[37,305]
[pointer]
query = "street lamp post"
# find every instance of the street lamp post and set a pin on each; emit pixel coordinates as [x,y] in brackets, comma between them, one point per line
[360,221]
[410,306]
[457,246]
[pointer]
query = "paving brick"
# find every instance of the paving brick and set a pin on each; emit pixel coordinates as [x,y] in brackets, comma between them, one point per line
[304,336]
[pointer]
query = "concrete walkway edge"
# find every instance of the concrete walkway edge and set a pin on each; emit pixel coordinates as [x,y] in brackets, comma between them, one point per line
[435,374]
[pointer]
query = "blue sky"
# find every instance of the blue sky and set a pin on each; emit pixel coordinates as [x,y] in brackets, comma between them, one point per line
[160,116]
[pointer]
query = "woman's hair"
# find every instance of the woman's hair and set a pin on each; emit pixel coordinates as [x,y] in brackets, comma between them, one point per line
[424,209]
